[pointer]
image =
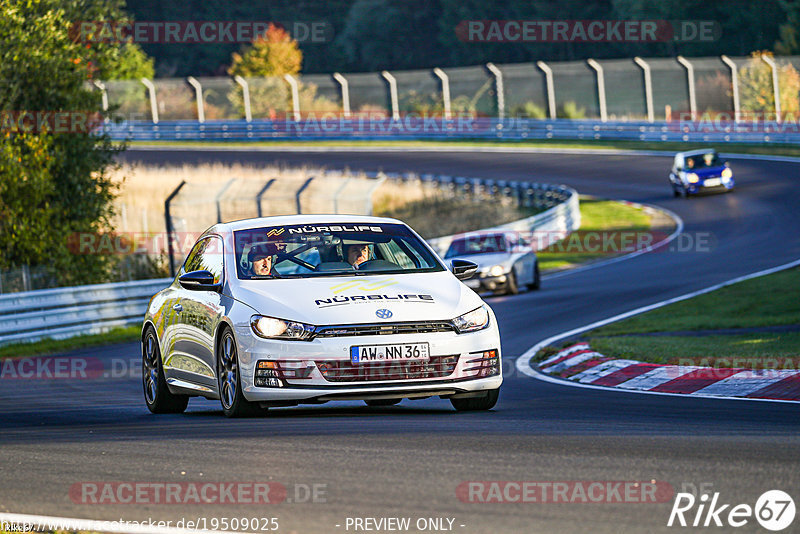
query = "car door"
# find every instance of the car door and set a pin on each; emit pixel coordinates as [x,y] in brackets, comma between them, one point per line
[192,359]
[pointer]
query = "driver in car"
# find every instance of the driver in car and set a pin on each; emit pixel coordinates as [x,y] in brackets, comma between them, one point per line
[357,254]
[261,259]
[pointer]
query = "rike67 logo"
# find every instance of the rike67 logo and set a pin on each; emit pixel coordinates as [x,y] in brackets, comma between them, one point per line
[774,510]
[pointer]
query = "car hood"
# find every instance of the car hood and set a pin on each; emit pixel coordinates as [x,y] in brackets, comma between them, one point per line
[708,172]
[356,299]
[485,261]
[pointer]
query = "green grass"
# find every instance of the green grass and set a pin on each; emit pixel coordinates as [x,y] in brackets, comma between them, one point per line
[596,216]
[51,346]
[738,148]
[748,348]
[764,301]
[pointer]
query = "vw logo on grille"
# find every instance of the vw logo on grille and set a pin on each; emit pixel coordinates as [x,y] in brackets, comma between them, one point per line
[383,314]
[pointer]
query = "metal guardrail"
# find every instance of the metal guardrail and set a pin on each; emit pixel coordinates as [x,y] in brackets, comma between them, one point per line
[417,128]
[65,312]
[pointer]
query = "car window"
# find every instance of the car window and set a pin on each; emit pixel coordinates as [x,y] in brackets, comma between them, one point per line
[206,255]
[305,251]
[476,244]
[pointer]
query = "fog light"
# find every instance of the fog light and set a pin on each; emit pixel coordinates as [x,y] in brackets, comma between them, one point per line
[268,382]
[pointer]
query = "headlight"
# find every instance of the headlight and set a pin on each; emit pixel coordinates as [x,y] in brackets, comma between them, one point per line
[272,328]
[727,173]
[692,178]
[497,270]
[477,319]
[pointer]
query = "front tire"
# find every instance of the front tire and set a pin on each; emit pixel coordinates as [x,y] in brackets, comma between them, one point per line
[157,396]
[537,278]
[229,379]
[511,284]
[477,404]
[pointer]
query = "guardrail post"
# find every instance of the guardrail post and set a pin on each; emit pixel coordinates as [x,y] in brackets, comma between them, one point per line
[690,83]
[300,192]
[338,192]
[151,89]
[261,194]
[775,88]
[295,95]
[551,92]
[601,88]
[445,91]
[648,87]
[345,91]
[392,94]
[168,221]
[245,96]
[198,91]
[218,198]
[498,83]
[737,113]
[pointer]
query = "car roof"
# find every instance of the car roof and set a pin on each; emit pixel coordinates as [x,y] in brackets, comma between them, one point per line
[281,220]
[696,152]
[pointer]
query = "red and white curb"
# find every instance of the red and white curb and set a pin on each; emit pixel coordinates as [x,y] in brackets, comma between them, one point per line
[738,384]
[579,363]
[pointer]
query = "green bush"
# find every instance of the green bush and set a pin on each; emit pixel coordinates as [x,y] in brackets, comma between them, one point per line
[570,110]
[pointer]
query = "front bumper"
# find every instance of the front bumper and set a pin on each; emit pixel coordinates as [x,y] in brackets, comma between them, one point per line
[310,358]
[487,282]
[717,185]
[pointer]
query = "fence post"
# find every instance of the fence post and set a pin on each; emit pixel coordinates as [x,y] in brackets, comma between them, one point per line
[261,194]
[445,91]
[775,88]
[295,95]
[601,88]
[345,90]
[103,95]
[648,87]
[551,92]
[153,102]
[338,192]
[737,113]
[198,91]
[392,94]
[300,192]
[218,198]
[690,82]
[498,82]
[245,96]
[378,181]
[168,221]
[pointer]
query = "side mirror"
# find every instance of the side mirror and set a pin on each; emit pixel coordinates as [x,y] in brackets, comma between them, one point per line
[463,269]
[199,281]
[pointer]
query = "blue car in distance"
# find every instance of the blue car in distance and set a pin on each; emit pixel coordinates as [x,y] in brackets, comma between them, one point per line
[700,170]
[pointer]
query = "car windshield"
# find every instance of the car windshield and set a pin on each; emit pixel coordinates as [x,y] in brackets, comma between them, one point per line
[477,244]
[306,251]
[709,159]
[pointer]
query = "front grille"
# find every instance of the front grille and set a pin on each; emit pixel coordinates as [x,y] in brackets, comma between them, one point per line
[344,371]
[384,329]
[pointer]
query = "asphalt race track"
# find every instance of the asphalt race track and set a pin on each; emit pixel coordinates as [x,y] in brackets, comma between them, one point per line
[408,460]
